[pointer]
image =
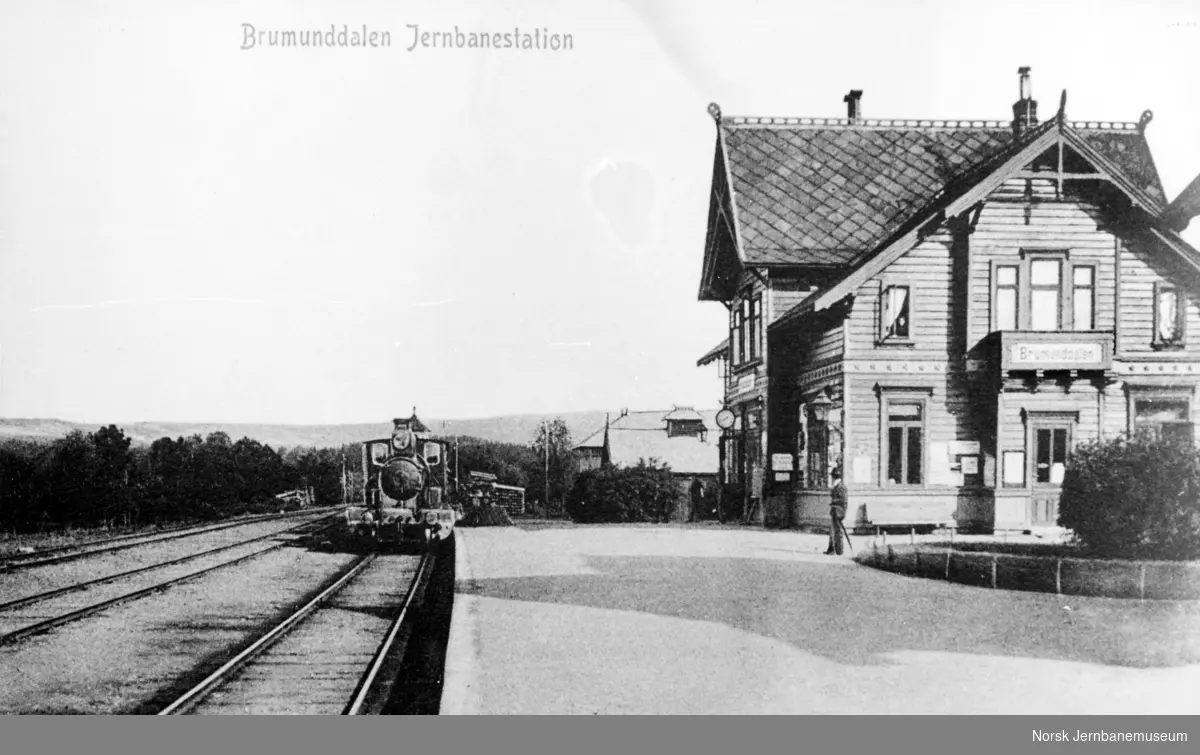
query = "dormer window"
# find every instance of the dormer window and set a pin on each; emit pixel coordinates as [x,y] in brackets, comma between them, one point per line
[896,314]
[1168,316]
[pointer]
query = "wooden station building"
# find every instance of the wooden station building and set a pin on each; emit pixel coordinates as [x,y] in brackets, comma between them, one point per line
[943,309]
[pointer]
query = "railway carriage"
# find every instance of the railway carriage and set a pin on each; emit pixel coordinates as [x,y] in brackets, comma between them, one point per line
[404,489]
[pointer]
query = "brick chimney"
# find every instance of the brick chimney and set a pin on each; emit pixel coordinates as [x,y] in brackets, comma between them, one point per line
[853,105]
[1024,109]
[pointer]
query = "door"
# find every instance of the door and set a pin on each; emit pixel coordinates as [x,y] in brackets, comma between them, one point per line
[1051,448]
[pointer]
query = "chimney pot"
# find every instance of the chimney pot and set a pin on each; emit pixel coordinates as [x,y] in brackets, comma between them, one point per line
[1025,108]
[853,105]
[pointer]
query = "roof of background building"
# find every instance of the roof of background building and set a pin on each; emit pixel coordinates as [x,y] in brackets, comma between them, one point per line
[643,435]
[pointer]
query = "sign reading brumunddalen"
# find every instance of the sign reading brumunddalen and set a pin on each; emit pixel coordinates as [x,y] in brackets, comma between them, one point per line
[414,38]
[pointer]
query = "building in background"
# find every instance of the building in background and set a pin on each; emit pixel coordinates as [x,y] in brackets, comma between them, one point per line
[682,438]
[945,309]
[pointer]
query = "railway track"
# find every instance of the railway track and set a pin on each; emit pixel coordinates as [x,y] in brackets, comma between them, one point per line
[15,561]
[337,654]
[41,612]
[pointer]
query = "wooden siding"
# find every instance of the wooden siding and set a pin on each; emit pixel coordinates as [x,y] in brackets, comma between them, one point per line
[828,346]
[786,295]
[928,272]
[953,413]
[1005,228]
[1052,397]
[1139,274]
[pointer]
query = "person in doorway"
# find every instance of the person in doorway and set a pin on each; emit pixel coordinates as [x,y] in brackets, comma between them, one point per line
[697,493]
[837,512]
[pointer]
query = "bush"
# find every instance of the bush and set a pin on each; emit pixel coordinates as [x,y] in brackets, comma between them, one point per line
[643,493]
[1134,498]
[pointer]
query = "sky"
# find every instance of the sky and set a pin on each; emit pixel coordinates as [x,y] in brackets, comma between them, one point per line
[195,231]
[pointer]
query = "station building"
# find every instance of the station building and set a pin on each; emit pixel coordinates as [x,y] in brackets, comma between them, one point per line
[943,309]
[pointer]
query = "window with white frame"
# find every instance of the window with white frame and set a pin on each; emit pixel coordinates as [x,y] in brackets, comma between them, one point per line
[896,314]
[1169,312]
[1083,297]
[905,441]
[1045,293]
[1166,416]
[1006,294]
[745,330]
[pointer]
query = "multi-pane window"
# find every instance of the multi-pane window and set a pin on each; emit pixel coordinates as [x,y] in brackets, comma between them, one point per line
[905,442]
[896,313]
[1166,418]
[1083,297]
[1049,455]
[1045,292]
[1168,315]
[1007,290]
[745,330]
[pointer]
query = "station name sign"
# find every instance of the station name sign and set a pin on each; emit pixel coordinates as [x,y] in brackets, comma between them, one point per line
[1057,353]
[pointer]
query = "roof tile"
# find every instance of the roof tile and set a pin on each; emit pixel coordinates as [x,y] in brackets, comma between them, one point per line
[830,192]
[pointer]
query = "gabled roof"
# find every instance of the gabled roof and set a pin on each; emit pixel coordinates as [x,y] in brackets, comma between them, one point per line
[683,414]
[830,192]
[643,435]
[975,183]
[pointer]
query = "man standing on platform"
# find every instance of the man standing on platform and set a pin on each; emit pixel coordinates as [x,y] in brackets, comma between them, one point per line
[837,512]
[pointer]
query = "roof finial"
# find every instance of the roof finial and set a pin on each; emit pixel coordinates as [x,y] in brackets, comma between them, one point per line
[1062,108]
[715,111]
[1144,121]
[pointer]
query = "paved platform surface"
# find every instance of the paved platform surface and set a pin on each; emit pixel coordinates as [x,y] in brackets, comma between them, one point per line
[709,620]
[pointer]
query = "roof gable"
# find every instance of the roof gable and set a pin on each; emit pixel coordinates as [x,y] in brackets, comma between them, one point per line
[830,192]
[975,184]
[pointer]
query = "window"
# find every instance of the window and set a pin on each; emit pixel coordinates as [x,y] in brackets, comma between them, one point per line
[895,310]
[1048,442]
[379,452]
[905,442]
[1083,297]
[1168,316]
[1167,417]
[1007,279]
[1045,292]
[745,330]
[1050,455]
[735,336]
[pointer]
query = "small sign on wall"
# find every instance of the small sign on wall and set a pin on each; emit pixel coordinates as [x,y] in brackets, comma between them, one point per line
[1014,468]
[862,470]
[970,464]
[783,476]
[781,461]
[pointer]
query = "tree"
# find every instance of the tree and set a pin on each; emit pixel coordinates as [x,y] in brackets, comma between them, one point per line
[553,471]
[111,493]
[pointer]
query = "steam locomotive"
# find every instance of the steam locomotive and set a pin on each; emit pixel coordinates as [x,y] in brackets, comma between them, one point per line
[404,489]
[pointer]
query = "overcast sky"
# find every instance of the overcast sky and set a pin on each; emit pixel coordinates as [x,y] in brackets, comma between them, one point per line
[198,232]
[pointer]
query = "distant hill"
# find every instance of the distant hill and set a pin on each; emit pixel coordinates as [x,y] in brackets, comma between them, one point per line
[518,428]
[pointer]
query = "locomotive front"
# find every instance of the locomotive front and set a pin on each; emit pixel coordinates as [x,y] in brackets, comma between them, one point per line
[404,481]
